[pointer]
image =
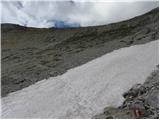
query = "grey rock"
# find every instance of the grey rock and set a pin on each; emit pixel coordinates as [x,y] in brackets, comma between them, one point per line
[152,98]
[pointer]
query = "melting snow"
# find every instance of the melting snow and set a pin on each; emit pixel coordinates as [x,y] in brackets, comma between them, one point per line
[84,91]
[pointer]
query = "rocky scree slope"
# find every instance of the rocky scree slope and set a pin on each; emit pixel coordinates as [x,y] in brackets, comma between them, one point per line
[33,54]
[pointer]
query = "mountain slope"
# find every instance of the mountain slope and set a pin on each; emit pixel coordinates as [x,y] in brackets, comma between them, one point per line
[84,91]
[30,54]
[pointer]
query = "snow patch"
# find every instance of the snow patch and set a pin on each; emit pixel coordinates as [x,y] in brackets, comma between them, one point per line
[84,91]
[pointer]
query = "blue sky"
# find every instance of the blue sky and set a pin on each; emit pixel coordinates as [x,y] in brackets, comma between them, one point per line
[43,14]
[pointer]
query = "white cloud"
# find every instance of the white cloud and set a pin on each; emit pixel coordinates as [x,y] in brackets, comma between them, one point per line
[45,13]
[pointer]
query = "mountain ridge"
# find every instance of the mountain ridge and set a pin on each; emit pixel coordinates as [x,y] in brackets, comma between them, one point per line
[3,25]
[33,54]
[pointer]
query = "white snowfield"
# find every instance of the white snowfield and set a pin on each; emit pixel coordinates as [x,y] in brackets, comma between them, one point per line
[84,91]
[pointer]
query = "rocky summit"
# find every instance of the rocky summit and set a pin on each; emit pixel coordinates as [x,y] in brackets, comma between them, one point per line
[33,54]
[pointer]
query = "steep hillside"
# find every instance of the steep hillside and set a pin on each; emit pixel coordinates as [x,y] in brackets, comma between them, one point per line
[30,54]
[86,90]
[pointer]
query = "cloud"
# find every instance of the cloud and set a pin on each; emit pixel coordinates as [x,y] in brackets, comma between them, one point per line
[48,13]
